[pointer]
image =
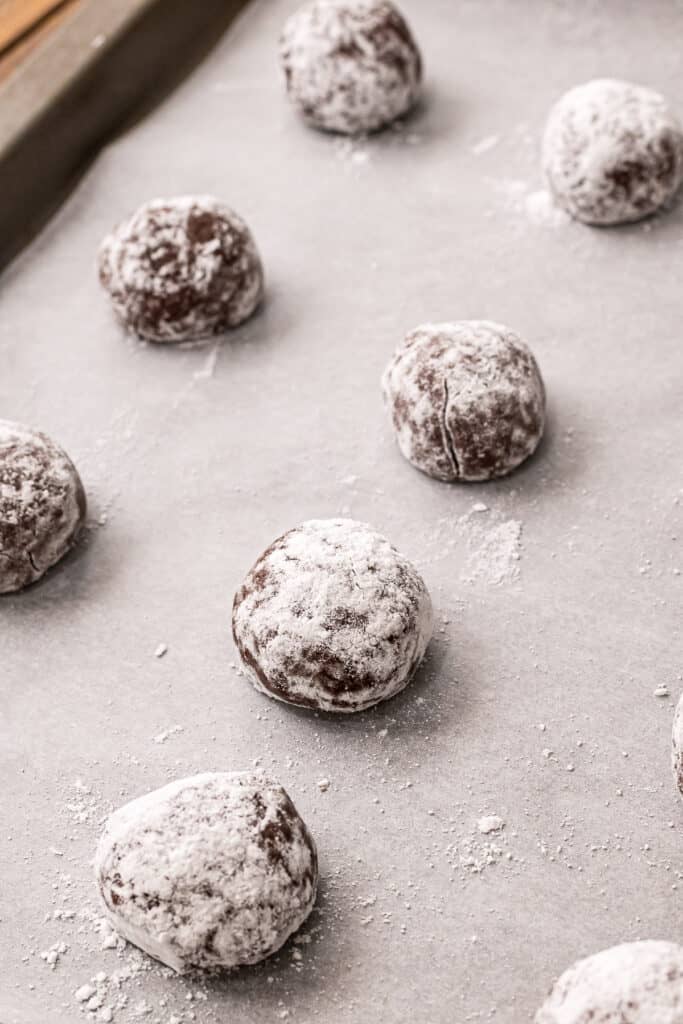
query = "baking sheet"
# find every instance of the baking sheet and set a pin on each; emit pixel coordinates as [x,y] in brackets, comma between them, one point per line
[558,607]
[101,67]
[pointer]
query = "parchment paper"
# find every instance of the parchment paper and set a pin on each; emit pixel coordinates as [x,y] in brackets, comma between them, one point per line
[558,606]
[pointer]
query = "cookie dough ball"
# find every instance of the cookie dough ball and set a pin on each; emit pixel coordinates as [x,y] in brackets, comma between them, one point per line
[677,746]
[332,617]
[351,66]
[612,152]
[638,983]
[466,399]
[181,269]
[212,871]
[42,505]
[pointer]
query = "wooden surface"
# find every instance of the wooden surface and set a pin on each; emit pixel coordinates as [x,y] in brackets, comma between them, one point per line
[103,67]
[24,24]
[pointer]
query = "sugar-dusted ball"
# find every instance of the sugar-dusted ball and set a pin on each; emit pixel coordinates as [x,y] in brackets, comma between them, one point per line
[42,505]
[466,399]
[332,617]
[638,982]
[350,66]
[612,151]
[181,269]
[215,870]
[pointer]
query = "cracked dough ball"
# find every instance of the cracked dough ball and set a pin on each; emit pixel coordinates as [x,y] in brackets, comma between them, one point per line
[677,745]
[42,505]
[350,66]
[466,399]
[638,983]
[612,152]
[332,617]
[211,871]
[181,269]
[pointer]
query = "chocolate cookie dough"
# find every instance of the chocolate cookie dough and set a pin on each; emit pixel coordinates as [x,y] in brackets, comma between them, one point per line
[612,152]
[466,399]
[350,66]
[42,505]
[332,617]
[181,269]
[216,870]
[677,746]
[638,983]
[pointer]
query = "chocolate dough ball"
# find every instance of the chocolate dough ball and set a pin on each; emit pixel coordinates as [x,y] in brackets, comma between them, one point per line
[638,983]
[215,870]
[677,745]
[351,66]
[332,617]
[42,505]
[466,399]
[181,269]
[612,152]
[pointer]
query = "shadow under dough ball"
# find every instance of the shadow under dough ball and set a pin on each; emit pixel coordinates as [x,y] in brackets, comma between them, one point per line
[638,982]
[332,617]
[42,505]
[181,269]
[351,66]
[211,871]
[466,399]
[612,152]
[677,746]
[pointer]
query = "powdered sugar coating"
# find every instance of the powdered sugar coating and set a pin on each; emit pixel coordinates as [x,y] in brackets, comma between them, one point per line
[181,269]
[677,745]
[466,398]
[331,616]
[42,505]
[351,66]
[612,152]
[211,871]
[635,983]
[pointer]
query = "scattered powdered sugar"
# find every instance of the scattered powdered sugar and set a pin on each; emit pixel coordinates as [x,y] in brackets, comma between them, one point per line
[543,211]
[166,734]
[534,206]
[490,823]
[351,150]
[52,955]
[357,151]
[474,853]
[484,145]
[494,553]
[486,546]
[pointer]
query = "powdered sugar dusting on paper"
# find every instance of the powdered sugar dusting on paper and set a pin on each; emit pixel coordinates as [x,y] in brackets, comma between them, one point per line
[494,553]
[486,546]
[533,206]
